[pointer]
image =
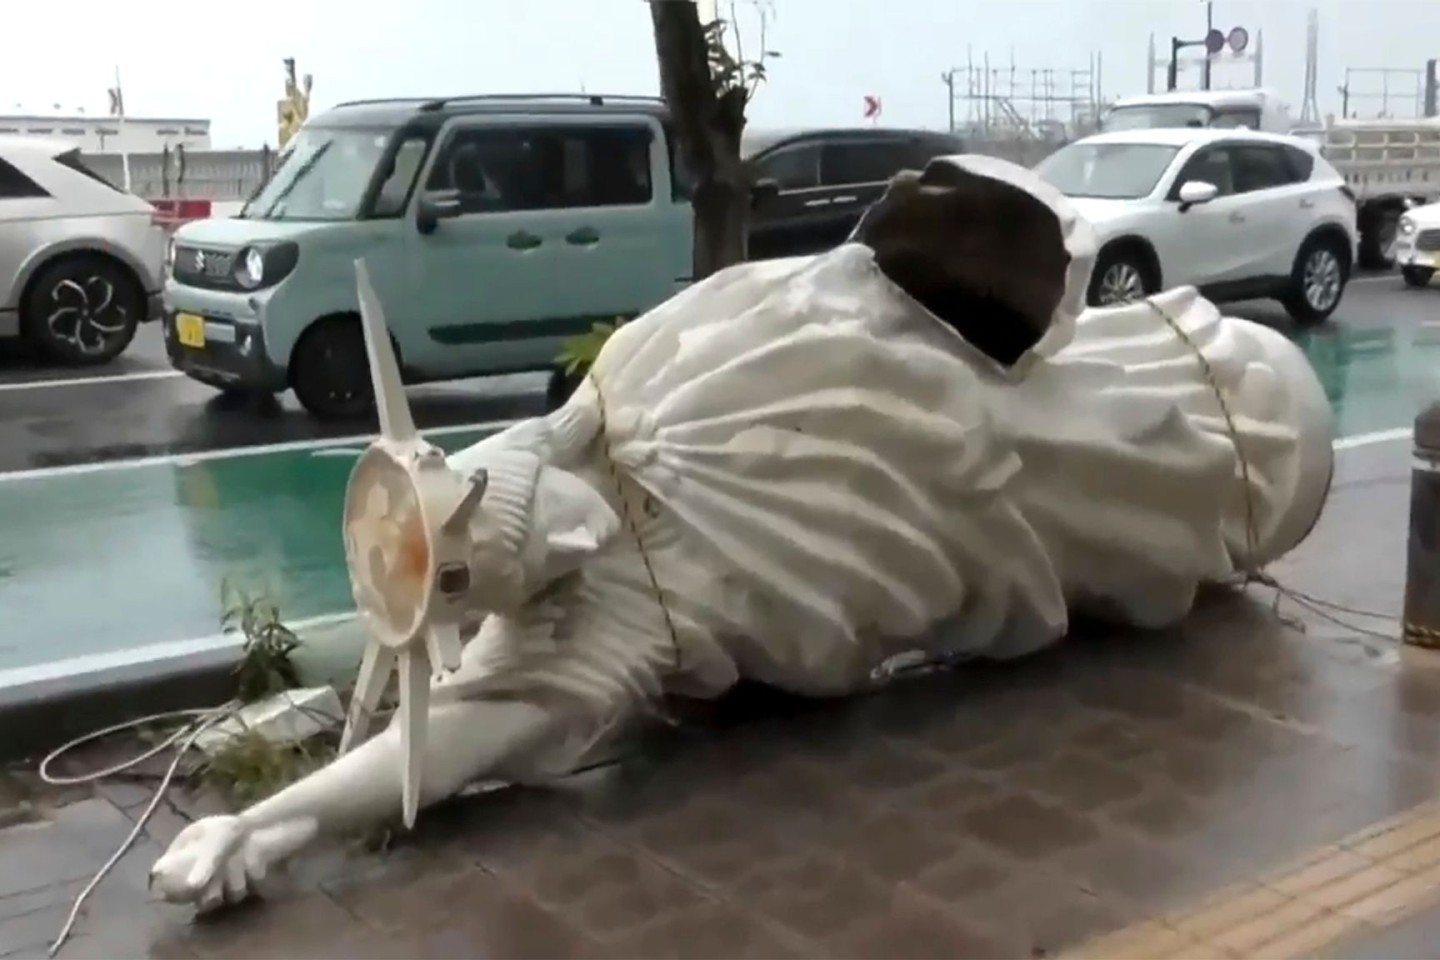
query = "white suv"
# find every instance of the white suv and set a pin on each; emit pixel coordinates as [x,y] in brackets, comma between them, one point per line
[1239,214]
[81,262]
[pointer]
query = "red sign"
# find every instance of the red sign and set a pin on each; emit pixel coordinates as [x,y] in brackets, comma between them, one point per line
[872,106]
[171,213]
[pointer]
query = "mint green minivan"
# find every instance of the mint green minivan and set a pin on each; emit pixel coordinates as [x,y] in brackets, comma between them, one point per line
[494,229]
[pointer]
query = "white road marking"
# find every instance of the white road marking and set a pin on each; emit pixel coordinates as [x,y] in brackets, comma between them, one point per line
[231,453]
[90,381]
[1370,439]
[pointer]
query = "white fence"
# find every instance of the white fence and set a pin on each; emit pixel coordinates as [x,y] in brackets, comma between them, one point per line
[219,175]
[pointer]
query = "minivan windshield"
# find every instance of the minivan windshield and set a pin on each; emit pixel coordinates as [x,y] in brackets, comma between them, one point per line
[322,175]
[1109,171]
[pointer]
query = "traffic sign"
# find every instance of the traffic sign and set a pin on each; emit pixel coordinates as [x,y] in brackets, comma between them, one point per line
[872,107]
[1214,42]
[1238,39]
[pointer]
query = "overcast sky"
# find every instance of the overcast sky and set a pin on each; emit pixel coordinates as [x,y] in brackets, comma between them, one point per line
[222,60]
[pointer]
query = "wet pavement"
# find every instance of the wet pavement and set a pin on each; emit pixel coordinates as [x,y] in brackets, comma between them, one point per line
[1220,783]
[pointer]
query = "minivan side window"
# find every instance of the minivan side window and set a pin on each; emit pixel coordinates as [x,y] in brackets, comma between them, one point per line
[682,181]
[792,168]
[861,162]
[394,192]
[14,185]
[497,169]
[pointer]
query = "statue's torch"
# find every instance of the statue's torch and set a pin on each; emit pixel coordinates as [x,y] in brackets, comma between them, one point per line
[407,544]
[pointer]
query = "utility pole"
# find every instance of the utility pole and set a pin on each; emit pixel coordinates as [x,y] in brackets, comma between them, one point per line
[1432,88]
[1209,26]
[948,78]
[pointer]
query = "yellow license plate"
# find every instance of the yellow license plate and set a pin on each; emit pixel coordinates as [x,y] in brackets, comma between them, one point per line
[190,330]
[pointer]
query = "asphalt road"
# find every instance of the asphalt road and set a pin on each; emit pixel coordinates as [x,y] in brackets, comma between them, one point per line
[139,407]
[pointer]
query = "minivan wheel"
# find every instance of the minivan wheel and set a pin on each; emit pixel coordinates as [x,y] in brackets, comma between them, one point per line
[83,310]
[1317,281]
[1417,276]
[330,372]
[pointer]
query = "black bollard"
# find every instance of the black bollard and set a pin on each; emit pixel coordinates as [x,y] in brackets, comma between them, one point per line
[1422,571]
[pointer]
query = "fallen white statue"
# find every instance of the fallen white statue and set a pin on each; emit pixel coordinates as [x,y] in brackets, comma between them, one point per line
[794,472]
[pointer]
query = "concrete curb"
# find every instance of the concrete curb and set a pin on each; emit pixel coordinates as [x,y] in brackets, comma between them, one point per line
[44,706]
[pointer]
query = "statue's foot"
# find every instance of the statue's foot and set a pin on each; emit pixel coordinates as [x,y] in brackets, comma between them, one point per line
[220,860]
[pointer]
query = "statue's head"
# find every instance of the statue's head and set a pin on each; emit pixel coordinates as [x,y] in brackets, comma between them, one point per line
[989,248]
[428,545]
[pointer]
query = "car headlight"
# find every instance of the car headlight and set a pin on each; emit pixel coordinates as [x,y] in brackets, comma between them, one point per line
[1407,226]
[250,268]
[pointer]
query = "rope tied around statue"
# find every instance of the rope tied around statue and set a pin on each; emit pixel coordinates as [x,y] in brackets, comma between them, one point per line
[1251,572]
[632,524]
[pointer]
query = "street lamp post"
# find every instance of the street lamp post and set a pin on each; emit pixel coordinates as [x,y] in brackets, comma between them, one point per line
[1213,43]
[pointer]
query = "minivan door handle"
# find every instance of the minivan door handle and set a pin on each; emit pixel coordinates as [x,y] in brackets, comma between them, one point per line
[523,240]
[582,237]
[1306,203]
[1237,217]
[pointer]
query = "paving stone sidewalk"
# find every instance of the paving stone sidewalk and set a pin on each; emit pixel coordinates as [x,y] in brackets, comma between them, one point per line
[1014,810]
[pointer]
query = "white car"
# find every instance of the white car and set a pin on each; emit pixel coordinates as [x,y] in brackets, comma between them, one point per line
[1239,214]
[1417,244]
[81,261]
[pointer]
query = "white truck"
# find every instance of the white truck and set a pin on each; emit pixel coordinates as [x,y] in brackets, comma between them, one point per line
[1390,165]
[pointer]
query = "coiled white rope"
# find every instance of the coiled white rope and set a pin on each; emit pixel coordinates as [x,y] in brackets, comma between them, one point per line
[186,735]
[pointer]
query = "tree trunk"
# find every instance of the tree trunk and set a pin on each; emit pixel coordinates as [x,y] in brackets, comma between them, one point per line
[707,125]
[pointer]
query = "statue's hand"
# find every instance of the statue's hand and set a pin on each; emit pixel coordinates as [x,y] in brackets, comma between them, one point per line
[205,864]
[219,860]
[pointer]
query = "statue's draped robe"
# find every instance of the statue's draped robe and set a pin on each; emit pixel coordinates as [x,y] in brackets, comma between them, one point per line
[829,476]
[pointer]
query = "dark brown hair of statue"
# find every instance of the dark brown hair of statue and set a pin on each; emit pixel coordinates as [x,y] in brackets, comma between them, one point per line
[985,257]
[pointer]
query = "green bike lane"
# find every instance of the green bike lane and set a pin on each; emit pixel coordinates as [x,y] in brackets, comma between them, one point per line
[112,557]
[116,557]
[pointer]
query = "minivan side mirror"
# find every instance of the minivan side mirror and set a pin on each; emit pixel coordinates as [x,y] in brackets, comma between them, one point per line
[763,191]
[434,206]
[1195,192]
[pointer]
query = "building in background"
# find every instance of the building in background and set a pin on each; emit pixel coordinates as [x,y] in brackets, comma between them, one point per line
[111,135]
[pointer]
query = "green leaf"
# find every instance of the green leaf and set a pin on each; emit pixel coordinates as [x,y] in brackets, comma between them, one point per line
[581,351]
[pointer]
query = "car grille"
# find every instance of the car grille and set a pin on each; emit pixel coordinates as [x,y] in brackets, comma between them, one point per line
[1427,240]
[205,267]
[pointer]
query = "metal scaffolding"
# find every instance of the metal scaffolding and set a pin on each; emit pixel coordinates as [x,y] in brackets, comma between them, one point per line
[989,101]
[1382,93]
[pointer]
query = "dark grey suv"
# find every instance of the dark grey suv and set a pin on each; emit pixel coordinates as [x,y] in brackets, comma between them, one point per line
[810,187]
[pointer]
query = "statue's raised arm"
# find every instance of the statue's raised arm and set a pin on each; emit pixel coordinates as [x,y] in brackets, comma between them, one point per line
[917,446]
